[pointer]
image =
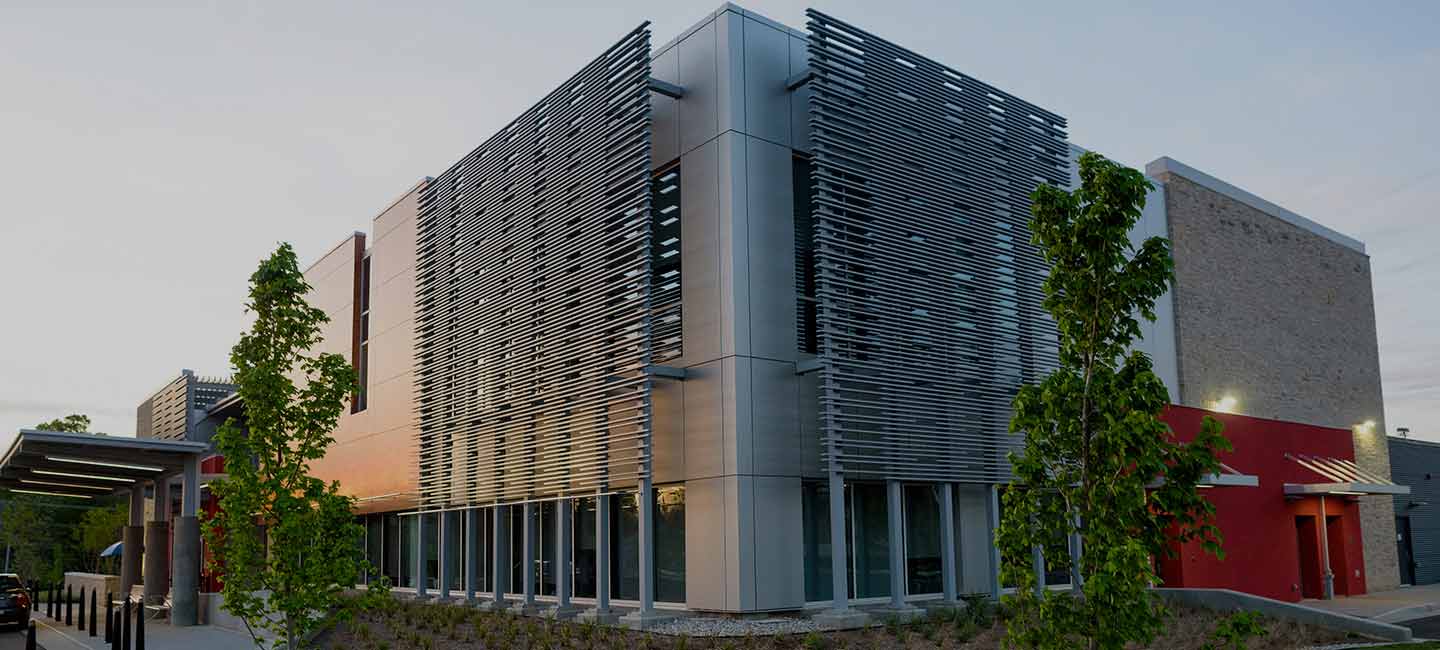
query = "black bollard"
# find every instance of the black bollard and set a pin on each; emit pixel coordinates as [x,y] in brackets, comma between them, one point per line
[93,613]
[30,637]
[125,624]
[69,604]
[50,602]
[80,624]
[109,618]
[115,631]
[140,626]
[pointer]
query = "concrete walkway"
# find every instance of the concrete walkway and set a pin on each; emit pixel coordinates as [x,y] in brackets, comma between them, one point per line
[159,635]
[1397,606]
[12,638]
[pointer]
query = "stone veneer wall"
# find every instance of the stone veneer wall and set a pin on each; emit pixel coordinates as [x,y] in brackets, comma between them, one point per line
[1283,319]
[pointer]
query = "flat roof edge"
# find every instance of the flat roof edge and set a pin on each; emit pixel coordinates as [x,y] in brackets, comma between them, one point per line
[1166,164]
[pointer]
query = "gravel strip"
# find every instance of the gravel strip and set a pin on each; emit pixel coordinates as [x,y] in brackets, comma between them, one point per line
[712,626]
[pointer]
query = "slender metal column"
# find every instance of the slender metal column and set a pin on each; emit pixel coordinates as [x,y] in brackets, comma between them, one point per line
[527,555]
[563,569]
[994,516]
[602,557]
[896,528]
[420,559]
[947,542]
[157,543]
[646,498]
[1329,577]
[442,553]
[472,547]
[839,544]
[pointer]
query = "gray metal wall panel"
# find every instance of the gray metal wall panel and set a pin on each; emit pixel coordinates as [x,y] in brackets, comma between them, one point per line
[699,256]
[730,65]
[704,429]
[734,249]
[771,250]
[800,98]
[767,66]
[699,110]
[533,315]
[1416,464]
[706,551]
[737,404]
[808,399]
[929,288]
[740,542]
[774,448]
[667,408]
[779,545]
[665,111]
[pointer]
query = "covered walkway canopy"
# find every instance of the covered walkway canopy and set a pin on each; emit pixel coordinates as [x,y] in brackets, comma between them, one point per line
[86,466]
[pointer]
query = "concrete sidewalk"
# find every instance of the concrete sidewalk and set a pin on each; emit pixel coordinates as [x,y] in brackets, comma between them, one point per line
[159,635]
[1397,606]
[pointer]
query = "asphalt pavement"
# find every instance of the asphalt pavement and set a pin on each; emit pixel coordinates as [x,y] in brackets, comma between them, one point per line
[13,638]
[1424,628]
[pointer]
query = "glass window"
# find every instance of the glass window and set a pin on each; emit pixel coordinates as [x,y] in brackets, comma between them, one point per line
[869,541]
[922,540]
[375,545]
[545,545]
[805,311]
[362,360]
[665,299]
[432,551]
[454,550]
[815,509]
[517,547]
[625,543]
[407,552]
[670,543]
[584,529]
[392,548]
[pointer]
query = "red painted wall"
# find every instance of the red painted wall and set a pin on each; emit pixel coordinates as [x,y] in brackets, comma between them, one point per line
[1262,548]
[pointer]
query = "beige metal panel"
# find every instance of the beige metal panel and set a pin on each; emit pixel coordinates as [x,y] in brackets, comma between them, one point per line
[391,404]
[365,474]
[393,302]
[699,276]
[775,442]
[779,551]
[392,255]
[771,258]
[708,562]
[402,210]
[739,542]
[332,279]
[667,430]
[704,421]
[392,352]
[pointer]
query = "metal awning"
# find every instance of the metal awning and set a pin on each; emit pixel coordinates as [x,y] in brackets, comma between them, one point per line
[86,465]
[1340,477]
[1229,477]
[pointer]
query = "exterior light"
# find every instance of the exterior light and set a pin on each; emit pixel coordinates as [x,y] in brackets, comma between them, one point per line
[96,463]
[65,485]
[51,494]
[1226,404]
[84,476]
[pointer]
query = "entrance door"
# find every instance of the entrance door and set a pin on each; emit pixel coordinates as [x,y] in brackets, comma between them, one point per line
[1404,550]
[1307,536]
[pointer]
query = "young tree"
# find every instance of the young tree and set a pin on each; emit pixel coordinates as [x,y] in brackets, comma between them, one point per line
[286,541]
[99,528]
[74,423]
[1097,461]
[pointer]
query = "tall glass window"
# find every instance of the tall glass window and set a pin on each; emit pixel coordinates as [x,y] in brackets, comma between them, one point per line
[455,549]
[479,547]
[407,551]
[517,548]
[802,197]
[432,550]
[625,546]
[545,544]
[665,299]
[392,549]
[869,540]
[922,540]
[362,360]
[815,513]
[584,528]
[670,543]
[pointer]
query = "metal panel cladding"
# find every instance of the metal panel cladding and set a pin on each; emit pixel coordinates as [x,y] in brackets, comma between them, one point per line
[928,289]
[533,290]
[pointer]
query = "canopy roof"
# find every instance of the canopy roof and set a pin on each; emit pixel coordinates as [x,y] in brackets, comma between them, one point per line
[85,465]
[1340,477]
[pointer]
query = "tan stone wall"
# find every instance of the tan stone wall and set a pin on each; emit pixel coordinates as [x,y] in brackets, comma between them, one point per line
[1283,319]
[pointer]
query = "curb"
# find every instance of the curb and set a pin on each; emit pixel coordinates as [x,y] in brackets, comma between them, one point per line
[1225,600]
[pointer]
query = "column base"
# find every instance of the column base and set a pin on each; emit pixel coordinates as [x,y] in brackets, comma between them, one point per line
[904,612]
[942,605]
[643,620]
[501,605]
[523,608]
[841,619]
[561,612]
[592,615]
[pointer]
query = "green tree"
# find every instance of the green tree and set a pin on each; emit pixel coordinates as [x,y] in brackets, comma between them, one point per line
[1097,461]
[99,528]
[75,422]
[293,400]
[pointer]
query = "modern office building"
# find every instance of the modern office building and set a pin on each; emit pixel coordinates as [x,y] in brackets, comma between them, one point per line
[734,323]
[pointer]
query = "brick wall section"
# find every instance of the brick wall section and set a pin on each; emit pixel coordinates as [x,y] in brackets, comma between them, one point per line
[1283,319]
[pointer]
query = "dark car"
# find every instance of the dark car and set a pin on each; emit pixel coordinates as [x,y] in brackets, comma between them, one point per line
[14,601]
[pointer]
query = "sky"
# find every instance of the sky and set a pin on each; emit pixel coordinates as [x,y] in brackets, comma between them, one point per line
[151,155]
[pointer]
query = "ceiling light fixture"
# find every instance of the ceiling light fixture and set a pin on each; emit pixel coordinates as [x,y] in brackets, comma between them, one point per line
[98,463]
[65,485]
[52,494]
[84,476]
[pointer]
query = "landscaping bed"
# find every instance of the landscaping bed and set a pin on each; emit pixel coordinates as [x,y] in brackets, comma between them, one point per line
[405,625]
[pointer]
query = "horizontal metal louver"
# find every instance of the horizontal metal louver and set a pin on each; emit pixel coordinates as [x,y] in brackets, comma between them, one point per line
[533,289]
[928,289]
